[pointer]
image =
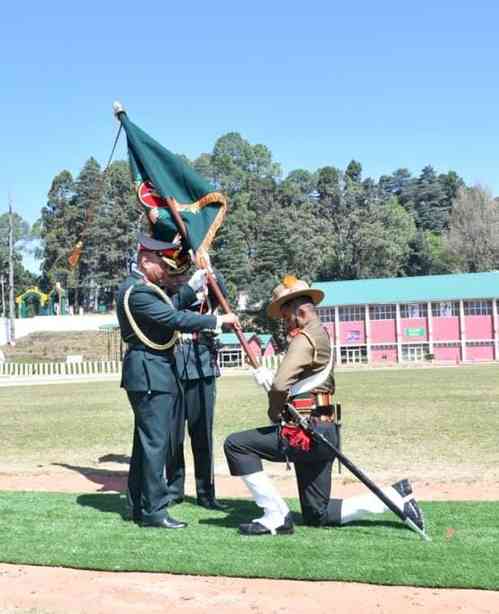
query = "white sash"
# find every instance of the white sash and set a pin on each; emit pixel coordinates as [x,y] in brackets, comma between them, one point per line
[313,381]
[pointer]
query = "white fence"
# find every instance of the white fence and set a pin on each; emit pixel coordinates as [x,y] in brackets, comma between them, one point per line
[272,362]
[60,369]
[87,368]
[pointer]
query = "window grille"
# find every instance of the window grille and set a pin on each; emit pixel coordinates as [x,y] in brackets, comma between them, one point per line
[326,314]
[477,308]
[445,309]
[414,310]
[352,313]
[382,312]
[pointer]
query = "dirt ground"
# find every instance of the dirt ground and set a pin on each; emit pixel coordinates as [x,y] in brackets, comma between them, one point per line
[42,590]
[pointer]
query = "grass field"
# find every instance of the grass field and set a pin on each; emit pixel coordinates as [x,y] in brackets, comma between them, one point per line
[439,424]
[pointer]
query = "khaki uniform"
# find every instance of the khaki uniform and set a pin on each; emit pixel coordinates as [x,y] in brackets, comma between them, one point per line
[309,353]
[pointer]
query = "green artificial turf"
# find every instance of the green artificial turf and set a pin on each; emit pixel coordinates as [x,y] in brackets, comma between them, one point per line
[87,531]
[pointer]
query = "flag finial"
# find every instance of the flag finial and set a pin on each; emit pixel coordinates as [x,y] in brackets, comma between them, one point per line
[118,108]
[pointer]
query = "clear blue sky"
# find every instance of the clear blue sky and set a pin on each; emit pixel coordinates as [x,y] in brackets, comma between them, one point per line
[390,84]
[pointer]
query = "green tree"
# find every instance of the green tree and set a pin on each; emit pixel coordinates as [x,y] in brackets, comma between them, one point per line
[57,234]
[472,239]
[22,277]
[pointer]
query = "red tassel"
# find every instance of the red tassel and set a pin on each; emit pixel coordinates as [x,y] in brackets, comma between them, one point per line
[297,437]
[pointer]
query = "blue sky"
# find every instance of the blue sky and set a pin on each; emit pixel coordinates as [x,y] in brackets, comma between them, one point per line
[390,84]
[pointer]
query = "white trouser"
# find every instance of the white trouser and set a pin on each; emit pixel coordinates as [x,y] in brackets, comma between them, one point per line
[355,508]
[267,497]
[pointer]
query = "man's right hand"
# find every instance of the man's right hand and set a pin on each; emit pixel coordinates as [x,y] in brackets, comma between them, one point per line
[229,318]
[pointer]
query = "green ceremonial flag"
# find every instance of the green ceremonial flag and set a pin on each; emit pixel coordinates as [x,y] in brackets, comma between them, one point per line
[158,173]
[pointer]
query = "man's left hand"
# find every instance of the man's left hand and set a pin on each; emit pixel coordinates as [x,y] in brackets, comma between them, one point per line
[274,416]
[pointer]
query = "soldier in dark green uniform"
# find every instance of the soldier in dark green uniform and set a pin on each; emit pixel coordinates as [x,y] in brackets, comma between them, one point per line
[304,379]
[150,323]
[197,368]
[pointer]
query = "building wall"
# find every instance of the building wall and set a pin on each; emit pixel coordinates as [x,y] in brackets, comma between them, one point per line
[410,326]
[446,329]
[479,327]
[452,353]
[269,349]
[352,333]
[480,353]
[384,355]
[383,331]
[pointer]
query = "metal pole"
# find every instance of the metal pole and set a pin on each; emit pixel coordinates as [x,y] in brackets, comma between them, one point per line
[12,305]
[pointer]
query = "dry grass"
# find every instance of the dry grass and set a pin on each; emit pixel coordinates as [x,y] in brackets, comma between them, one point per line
[49,347]
[438,424]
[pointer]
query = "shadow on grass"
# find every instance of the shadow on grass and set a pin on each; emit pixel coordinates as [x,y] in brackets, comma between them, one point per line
[238,511]
[108,480]
[109,504]
[114,458]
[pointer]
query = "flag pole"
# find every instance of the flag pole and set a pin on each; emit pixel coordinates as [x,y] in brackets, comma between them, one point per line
[119,112]
[212,282]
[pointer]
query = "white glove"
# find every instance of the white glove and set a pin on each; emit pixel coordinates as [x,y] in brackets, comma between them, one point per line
[263,377]
[198,281]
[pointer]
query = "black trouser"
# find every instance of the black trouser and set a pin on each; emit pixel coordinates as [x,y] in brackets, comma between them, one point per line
[199,404]
[154,444]
[246,449]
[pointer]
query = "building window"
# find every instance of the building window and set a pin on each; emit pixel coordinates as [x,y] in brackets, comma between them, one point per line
[445,309]
[414,352]
[228,358]
[477,308]
[382,312]
[352,313]
[476,344]
[447,344]
[326,314]
[355,354]
[414,310]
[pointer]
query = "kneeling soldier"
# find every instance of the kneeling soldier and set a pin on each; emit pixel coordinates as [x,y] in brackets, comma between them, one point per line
[305,379]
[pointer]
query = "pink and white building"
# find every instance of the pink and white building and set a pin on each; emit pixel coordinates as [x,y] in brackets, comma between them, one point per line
[451,318]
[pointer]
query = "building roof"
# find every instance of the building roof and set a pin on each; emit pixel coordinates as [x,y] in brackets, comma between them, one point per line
[464,286]
[264,338]
[231,338]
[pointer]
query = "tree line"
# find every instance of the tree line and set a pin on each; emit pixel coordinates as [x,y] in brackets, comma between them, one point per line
[330,224]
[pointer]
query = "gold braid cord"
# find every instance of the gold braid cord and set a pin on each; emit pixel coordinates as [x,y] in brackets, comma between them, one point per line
[135,327]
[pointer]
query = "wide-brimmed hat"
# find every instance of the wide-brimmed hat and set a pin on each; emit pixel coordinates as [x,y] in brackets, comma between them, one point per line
[171,253]
[289,289]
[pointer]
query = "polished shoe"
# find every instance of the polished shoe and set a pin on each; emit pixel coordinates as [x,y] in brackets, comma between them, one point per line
[415,513]
[174,501]
[167,522]
[403,487]
[256,528]
[210,503]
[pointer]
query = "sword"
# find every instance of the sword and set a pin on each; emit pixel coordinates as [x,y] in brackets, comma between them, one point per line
[358,473]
